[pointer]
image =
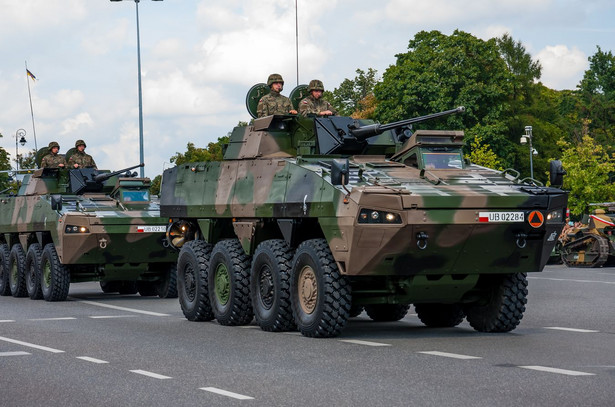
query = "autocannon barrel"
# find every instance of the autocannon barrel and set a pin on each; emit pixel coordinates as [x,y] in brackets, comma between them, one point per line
[105,176]
[371,130]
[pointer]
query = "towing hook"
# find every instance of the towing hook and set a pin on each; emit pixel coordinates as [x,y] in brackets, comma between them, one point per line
[421,240]
[521,240]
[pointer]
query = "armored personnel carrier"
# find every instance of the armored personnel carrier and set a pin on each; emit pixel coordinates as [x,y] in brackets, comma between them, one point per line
[74,225]
[308,221]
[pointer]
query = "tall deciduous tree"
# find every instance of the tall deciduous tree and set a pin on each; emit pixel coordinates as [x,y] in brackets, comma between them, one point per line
[347,98]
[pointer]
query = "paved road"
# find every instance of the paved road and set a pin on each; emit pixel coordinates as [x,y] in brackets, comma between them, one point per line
[112,350]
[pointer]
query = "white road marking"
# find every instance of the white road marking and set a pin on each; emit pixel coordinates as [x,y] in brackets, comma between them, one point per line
[31,345]
[227,393]
[292,333]
[250,327]
[558,371]
[111,316]
[93,360]
[572,280]
[7,320]
[151,374]
[52,319]
[366,343]
[18,353]
[559,328]
[450,355]
[138,311]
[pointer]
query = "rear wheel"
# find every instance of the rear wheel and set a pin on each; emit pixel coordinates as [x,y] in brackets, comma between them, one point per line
[33,271]
[109,287]
[320,295]
[355,311]
[127,287]
[147,288]
[440,315]
[270,286]
[229,283]
[17,276]
[55,278]
[5,288]
[503,305]
[167,287]
[192,270]
[386,312]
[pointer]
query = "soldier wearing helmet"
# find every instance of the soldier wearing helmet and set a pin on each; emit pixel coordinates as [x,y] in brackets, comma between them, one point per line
[53,159]
[80,159]
[314,104]
[274,102]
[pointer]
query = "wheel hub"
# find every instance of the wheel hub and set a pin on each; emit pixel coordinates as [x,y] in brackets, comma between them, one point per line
[190,280]
[47,275]
[222,284]
[266,287]
[308,290]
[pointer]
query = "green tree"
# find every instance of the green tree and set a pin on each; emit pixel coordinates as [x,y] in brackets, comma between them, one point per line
[213,152]
[154,188]
[348,96]
[481,154]
[523,68]
[5,164]
[589,169]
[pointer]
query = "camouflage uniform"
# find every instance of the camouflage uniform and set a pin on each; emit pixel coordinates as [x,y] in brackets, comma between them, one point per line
[52,160]
[273,103]
[82,159]
[310,105]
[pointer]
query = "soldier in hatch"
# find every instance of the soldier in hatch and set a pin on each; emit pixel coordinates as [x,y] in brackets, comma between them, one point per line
[53,159]
[80,159]
[314,104]
[273,102]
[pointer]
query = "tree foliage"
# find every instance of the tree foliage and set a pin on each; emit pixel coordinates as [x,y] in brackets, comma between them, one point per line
[481,154]
[213,152]
[352,94]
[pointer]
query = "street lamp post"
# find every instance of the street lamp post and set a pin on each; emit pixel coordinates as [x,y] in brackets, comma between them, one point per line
[141,156]
[527,138]
[20,136]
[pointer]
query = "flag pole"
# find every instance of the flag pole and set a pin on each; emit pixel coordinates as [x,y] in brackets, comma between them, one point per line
[31,109]
[297,39]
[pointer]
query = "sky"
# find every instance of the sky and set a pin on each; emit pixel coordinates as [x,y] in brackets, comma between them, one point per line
[199,59]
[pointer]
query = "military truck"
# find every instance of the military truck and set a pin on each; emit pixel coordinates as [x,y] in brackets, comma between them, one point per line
[311,220]
[73,225]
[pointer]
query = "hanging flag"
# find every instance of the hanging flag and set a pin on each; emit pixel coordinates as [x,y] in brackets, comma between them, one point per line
[30,74]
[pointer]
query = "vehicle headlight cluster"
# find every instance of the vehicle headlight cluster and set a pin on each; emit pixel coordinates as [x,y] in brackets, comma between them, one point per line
[556,216]
[379,217]
[76,229]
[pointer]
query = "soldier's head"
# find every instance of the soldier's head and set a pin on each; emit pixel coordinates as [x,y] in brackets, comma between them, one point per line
[316,88]
[80,145]
[275,82]
[54,147]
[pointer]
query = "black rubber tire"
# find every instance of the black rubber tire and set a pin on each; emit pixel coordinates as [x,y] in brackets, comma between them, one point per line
[503,307]
[167,287]
[126,287]
[5,288]
[109,287]
[147,288]
[17,276]
[55,278]
[324,313]
[440,315]
[33,271]
[237,309]
[355,311]
[270,286]
[386,312]
[192,270]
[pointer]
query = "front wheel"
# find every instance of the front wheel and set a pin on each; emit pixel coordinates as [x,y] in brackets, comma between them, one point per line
[503,306]
[5,287]
[320,295]
[17,276]
[33,271]
[55,278]
[192,270]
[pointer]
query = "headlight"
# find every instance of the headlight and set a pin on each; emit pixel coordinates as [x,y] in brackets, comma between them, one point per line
[76,229]
[379,217]
[556,216]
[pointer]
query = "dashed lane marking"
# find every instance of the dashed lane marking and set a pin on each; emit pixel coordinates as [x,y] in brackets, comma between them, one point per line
[250,327]
[559,328]
[111,316]
[449,355]
[18,353]
[366,343]
[138,311]
[52,319]
[572,280]
[30,345]
[558,371]
[151,374]
[227,393]
[7,320]
[93,360]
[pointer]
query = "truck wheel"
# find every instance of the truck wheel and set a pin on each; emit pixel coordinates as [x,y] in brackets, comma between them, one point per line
[5,287]
[17,276]
[229,284]
[355,311]
[503,306]
[270,286]
[126,287]
[55,278]
[109,287]
[33,271]
[386,312]
[320,295]
[147,288]
[167,288]
[440,315]
[192,269]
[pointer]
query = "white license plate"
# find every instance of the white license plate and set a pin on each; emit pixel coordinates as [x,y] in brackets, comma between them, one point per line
[151,229]
[501,217]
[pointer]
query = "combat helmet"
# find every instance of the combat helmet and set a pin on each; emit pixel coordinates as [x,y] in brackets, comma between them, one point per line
[315,84]
[273,78]
[53,144]
[80,142]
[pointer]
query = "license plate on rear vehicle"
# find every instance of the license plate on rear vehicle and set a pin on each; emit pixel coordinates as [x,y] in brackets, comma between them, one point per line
[151,229]
[501,217]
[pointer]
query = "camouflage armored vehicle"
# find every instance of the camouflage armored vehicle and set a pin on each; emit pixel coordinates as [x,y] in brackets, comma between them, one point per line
[307,221]
[592,245]
[78,225]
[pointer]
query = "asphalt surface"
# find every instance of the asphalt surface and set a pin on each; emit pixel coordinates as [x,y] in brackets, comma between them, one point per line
[112,350]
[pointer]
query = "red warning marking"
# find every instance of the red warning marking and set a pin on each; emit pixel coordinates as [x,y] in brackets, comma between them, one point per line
[536,219]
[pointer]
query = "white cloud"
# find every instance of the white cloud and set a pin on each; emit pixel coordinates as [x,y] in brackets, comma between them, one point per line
[562,66]
[77,124]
